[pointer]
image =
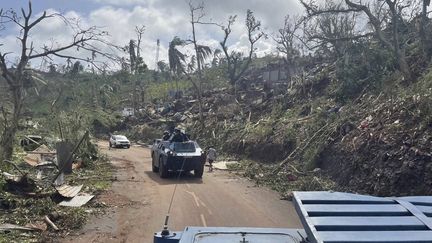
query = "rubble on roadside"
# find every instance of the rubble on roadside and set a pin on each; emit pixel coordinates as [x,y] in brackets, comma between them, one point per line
[30,201]
[225,165]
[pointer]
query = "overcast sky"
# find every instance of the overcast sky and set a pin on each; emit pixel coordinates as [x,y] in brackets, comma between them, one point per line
[163,19]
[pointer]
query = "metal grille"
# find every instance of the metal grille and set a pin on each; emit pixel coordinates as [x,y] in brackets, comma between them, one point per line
[330,217]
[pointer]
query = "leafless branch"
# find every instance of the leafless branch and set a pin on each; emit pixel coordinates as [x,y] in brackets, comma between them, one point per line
[236,67]
[345,38]
[313,9]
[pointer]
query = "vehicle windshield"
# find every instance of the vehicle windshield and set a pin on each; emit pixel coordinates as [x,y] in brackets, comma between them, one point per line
[184,147]
[120,137]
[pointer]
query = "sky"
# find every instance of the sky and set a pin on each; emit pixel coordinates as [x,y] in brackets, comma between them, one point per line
[163,19]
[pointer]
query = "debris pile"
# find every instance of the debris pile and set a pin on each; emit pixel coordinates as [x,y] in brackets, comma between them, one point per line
[389,150]
[287,180]
[38,194]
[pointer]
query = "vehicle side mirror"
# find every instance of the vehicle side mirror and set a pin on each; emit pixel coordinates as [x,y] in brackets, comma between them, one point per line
[163,147]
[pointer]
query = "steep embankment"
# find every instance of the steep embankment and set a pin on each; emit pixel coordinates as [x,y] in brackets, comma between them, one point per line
[378,142]
[389,150]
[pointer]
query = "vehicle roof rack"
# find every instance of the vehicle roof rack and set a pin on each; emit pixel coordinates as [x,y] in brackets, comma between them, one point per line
[330,217]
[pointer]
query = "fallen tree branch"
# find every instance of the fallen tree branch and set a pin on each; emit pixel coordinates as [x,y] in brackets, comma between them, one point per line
[291,155]
[33,140]
[296,170]
[15,166]
[48,221]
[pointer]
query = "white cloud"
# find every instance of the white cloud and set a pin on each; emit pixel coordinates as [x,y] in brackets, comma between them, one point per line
[163,19]
[121,2]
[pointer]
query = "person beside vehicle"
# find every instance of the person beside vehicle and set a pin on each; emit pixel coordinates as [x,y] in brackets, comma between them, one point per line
[211,157]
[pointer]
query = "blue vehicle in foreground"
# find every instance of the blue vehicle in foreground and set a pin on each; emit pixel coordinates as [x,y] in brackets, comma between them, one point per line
[330,217]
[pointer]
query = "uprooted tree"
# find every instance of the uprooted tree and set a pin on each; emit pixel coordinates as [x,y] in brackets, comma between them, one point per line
[16,74]
[237,64]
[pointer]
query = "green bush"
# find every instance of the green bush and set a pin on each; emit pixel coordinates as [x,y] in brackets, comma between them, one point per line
[311,156]
[365,65]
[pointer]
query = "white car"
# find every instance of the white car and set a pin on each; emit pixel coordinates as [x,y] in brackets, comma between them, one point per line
[119,141]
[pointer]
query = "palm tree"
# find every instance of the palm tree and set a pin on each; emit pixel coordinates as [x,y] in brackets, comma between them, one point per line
[191,65]
[216,57]
[203,53]
[176,58]
[162,66]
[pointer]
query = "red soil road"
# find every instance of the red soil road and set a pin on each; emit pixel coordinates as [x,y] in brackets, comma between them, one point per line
[139,200]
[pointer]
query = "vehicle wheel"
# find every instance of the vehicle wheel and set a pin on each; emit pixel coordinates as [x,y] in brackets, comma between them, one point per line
[154,168]
[198,173]
[128,146]
[110,145]
[163,170]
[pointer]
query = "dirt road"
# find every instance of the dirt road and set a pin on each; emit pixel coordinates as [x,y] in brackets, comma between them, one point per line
[139,201]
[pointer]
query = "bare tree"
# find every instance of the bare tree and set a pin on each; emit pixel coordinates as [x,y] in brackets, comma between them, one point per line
[201,53]
[83,39]
[393,9]
[331,28]
[136,60]
[423,23]
[137,65]
[235,60]
[286,42]
[392,42]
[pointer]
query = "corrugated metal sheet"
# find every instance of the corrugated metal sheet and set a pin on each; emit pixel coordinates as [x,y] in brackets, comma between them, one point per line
[344,217]
[77,201]
[69,191]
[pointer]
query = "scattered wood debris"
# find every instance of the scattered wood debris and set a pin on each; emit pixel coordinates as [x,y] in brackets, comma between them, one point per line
[11,227]
[50,223]
[39,155]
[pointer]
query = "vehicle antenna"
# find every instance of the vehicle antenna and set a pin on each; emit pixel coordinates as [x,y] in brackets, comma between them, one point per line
[165,230]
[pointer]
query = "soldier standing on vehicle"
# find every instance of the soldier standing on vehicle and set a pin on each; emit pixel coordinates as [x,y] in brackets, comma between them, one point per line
[177,136]
[211,157]
[166,136]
